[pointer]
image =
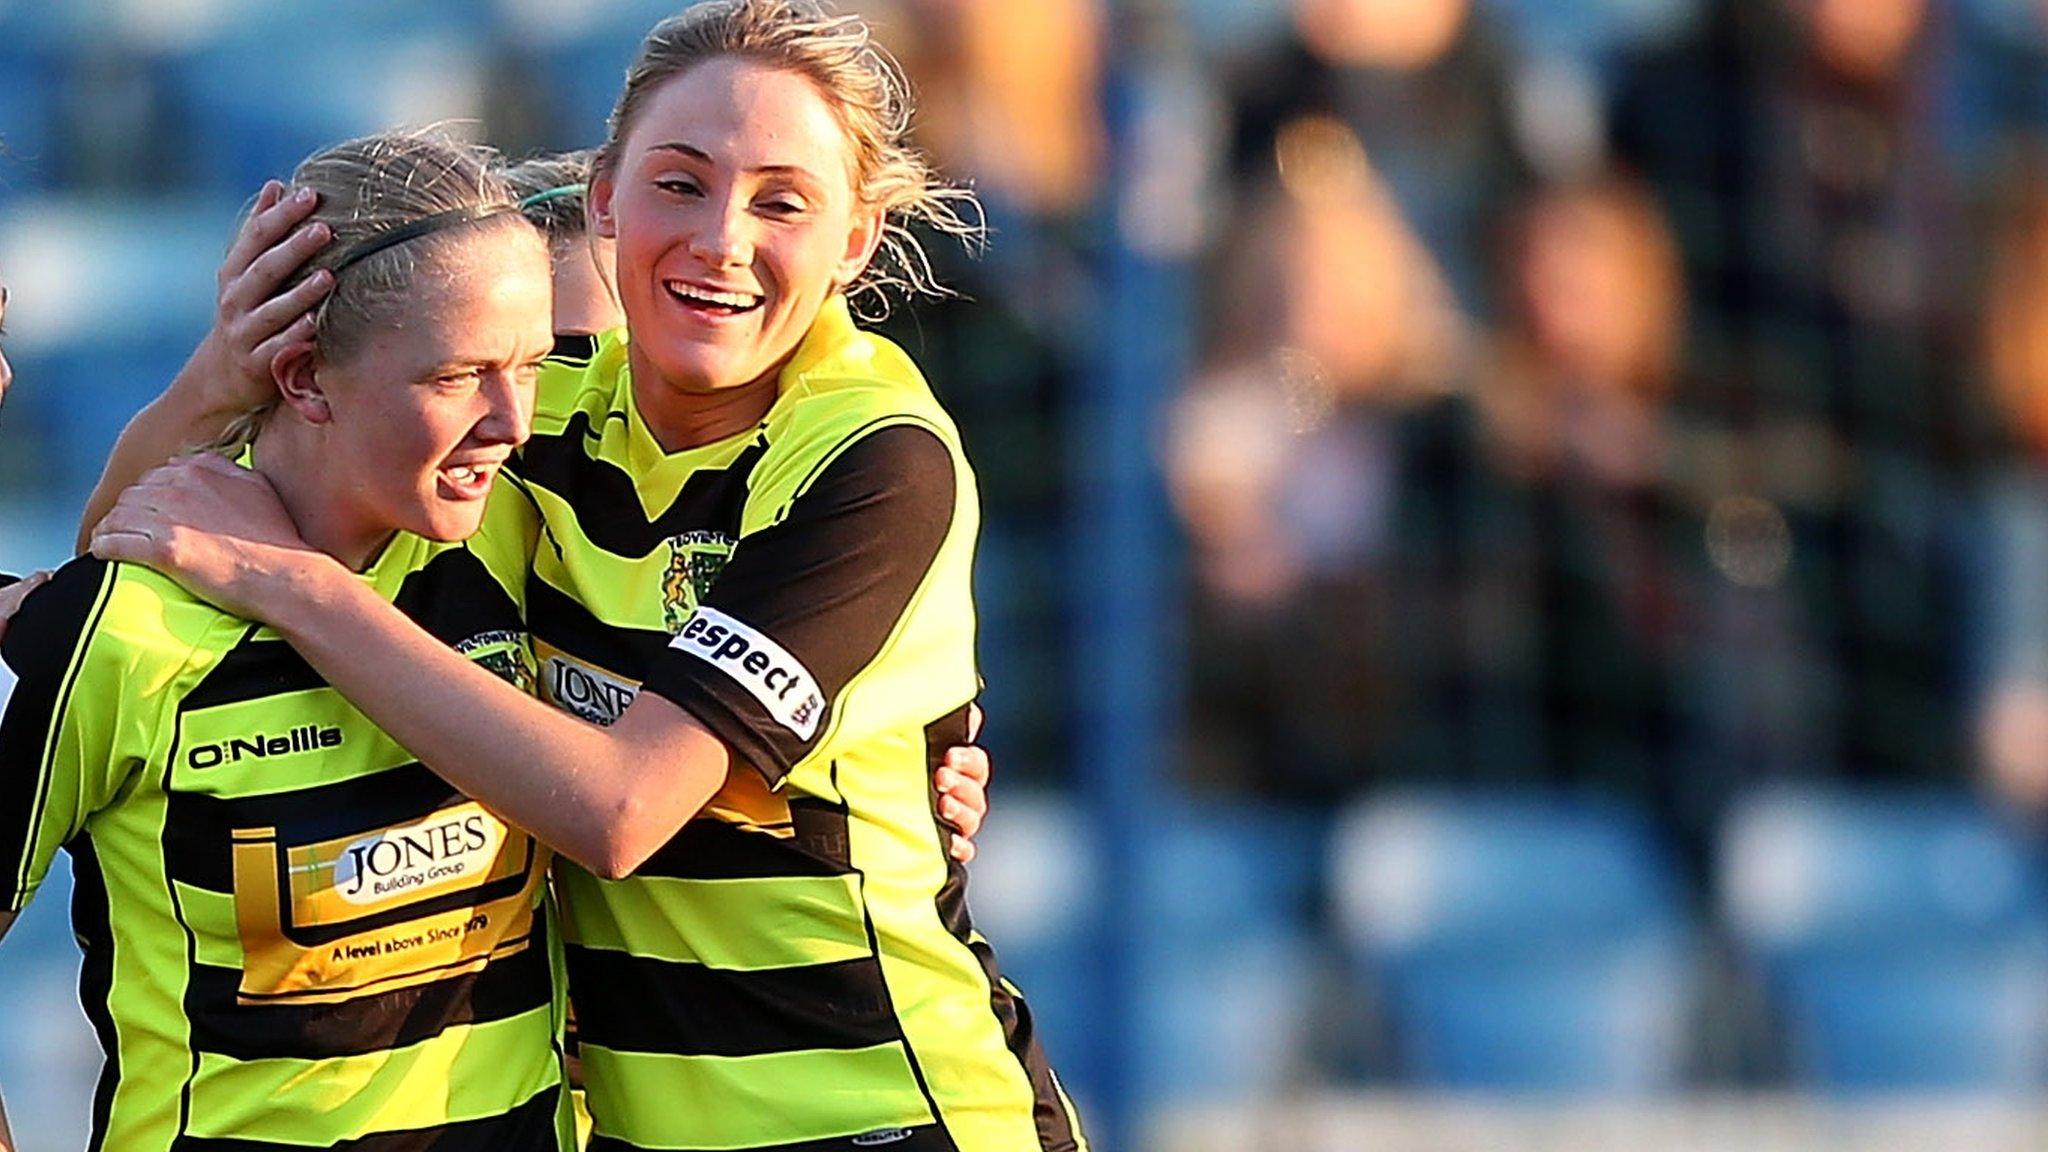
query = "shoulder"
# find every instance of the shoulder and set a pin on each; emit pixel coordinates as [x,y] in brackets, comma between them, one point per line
[858,389]
[125,619]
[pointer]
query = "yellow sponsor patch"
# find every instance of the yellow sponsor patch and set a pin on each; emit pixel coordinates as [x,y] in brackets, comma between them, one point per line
[325,920]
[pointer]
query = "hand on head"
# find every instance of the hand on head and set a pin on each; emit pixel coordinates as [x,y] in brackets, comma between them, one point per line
[256,316]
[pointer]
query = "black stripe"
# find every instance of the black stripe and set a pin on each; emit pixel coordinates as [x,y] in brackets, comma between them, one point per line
[564,623]
[454,596]
[503,988]
[1048,1107]
[711,849]
[53,625]
[253,670]
[199,829]
[638,1004]
[578,348]
[925,1138]
[528,1128]
[91,923]
[607,501]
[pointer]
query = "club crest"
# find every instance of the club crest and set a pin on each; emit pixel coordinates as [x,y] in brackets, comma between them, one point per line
[694,562]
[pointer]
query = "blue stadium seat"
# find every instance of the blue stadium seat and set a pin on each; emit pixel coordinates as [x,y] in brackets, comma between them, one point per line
[1518,942]
[1224,966]
[1902,937]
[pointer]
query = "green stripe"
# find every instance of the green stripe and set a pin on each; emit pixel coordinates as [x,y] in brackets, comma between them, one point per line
[706,1102]
[53,741]
[736,924]
[466,1073]
[216,937]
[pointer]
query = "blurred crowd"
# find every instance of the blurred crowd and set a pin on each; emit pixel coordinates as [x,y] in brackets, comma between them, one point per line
[1663,416]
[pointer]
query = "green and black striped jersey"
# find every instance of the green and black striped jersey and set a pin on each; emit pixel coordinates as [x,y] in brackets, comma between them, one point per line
[796,968]
[295,935]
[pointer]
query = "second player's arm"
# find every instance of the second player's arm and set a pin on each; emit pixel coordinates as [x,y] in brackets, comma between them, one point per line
[604,797]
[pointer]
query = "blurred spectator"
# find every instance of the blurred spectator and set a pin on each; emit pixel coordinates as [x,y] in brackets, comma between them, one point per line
[1543,597]
[2012,598]
[1010,95]
[1799,145]
[1331,319]
[1420,82]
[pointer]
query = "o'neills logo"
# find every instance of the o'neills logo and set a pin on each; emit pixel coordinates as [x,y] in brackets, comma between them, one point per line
[305,738]
[441,849]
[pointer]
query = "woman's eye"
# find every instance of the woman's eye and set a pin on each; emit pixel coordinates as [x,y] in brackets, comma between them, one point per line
[677,186]
[782,206]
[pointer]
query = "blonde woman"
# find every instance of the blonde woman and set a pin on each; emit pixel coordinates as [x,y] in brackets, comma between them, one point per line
[294,934]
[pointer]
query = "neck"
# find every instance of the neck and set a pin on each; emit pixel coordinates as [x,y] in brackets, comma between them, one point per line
[289,455]
[681,420]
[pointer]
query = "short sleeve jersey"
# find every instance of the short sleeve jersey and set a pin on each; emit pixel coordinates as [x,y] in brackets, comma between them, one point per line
[796,968]
[295,935]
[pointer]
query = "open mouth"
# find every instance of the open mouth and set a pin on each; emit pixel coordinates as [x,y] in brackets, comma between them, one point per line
[712,302]
[466,481]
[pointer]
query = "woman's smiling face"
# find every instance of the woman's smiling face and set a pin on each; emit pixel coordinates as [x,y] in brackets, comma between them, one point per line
[733,203]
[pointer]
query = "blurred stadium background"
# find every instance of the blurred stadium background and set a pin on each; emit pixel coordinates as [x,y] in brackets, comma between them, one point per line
[1516,572]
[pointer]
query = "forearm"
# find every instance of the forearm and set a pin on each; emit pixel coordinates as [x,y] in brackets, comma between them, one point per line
[187,413]
[604,797]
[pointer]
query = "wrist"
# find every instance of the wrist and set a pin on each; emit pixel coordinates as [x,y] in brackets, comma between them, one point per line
[298,588]
[205,390]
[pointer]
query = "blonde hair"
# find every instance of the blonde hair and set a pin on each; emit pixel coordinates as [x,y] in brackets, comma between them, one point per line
[368,188]
[868,94]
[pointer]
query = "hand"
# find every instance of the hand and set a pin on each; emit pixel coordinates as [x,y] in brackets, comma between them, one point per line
[253,320]
[962,782]
[12,596]
[217,528]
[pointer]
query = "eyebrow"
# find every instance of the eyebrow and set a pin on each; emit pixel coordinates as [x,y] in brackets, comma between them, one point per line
[702,156]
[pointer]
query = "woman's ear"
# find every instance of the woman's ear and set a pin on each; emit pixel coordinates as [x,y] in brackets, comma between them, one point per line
[295,370]
[869,226]
[599,207]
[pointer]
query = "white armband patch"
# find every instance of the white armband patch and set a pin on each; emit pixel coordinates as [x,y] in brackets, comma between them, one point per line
[777,679]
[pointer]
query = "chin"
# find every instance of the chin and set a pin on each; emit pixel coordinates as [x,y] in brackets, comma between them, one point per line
[448,525]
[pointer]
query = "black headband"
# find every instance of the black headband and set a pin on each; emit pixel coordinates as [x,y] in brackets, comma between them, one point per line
[413,230]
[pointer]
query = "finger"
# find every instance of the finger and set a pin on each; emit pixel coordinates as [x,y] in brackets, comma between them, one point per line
[112,544]
[959,816]
[286,308]
[260,282]
[975,717]
[276,213]
[963,849]
[970,761]
[963,814]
